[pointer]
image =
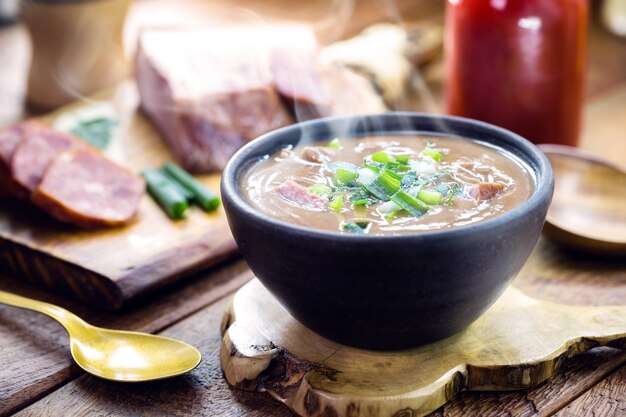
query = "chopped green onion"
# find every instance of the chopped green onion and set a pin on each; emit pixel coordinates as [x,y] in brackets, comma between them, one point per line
[202,195]
[166,193]
[335,144]
[430,197]
[392,165]
[409,203]
[373,167]
[391,215]
[320,189]
[383,186]
[337,203]
[344,176]
[184,191]
[361,202]
[433,153]
[355,227]
[403,159]
[393,174]
[381,157]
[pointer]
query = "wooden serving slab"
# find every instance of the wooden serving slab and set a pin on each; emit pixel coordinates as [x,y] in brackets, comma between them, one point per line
[518,343]
[108,268]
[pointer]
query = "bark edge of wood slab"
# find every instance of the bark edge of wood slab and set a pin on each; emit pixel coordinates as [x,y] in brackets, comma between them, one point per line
[518,343]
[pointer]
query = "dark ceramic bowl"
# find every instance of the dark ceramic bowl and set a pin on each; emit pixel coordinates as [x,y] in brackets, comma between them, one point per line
[387,292]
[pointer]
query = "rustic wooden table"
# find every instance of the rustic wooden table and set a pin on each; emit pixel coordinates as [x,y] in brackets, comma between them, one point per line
[38,377]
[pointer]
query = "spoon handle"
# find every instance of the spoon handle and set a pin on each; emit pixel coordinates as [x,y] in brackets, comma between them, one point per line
[64,317]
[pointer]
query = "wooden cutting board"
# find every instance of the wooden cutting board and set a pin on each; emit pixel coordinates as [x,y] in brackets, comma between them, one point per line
[108,268]
[518,343]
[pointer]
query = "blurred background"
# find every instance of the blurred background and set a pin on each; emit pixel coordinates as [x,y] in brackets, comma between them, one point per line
[107,30]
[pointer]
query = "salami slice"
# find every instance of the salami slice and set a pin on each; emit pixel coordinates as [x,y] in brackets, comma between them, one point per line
[82,187]
[37,148]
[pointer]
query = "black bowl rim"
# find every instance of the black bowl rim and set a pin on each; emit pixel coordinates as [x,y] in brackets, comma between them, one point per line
[542,170]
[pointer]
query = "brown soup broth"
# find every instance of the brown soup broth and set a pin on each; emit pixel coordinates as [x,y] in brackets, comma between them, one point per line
[458,182]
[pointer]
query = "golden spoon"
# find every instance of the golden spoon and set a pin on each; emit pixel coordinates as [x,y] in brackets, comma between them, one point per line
[588,211]
[114,354]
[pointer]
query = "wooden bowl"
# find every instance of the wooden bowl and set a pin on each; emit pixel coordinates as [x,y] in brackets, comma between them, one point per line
[588,211]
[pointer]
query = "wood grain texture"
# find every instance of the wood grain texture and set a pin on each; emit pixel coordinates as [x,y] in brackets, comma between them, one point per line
[552,273]
[518,343]
[203,392]
[587,211]
[110,267]
[34,351]
[577,375]
[608,398]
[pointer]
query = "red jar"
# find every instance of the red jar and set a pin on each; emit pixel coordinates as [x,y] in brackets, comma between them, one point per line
[519,64]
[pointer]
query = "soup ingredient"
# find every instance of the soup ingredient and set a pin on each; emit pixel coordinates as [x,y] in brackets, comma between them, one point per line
[301,196]
[83,188]
[389,184]
[204,197]
[166,193]
[97,132]
[518,64]
[485,190]
[317,153]
[357,228]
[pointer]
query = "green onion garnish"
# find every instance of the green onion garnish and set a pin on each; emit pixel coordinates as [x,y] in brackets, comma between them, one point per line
[362,202]
[373,167]
[355,227]
[381,157]
[433,153]
[166,193]
[409,203]
[320,189]
[335,144]
[383,186]
[393,174]
[430,197]
[337,203]
[344,176]
[403,159]
[202,195]
[391,215]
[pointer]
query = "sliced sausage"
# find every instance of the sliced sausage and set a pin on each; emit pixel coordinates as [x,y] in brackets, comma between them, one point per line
[36,150]
[9,141]
[484,190]
[301,196]
[82,187]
